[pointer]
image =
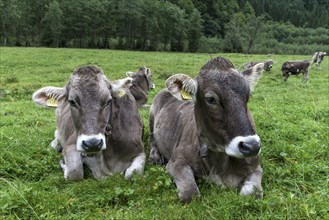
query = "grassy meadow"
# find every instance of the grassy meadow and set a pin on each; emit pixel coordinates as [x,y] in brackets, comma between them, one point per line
[292,120]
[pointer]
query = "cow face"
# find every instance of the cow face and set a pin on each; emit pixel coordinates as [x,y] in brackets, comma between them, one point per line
[321,55]
[146,76]
[268,65]
[221,94]
[88,96]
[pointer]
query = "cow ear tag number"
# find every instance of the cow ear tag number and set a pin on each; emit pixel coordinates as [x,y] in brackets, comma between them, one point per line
[185,95]
[52,102]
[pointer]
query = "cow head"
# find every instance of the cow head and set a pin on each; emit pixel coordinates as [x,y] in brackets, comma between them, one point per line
[220,95]
[145,75]
[321,55]
[268,65]
[88,96]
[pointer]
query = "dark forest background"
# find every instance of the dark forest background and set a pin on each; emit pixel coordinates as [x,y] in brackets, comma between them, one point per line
[243,26]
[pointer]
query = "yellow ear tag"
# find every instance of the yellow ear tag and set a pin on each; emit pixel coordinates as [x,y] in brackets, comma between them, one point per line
[185,95]
[52,102]
[121,93]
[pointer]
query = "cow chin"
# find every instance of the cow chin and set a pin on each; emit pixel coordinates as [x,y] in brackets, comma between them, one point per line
[244,146]
[90,144]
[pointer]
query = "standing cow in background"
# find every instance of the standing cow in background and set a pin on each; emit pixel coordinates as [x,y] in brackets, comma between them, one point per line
[268,64]
[294,68]
[98,124]
[142,84]
[317,59]
[202,128]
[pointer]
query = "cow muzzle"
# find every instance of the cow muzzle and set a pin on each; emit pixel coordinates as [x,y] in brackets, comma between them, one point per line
[241,147]
[91,143]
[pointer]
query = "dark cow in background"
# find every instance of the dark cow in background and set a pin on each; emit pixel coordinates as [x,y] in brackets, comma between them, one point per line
[141,85]
[294,68]
[317,59]
[268,64]
[98,124]
[202,128]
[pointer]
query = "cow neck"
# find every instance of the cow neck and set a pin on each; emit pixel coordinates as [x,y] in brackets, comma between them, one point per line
[147,82]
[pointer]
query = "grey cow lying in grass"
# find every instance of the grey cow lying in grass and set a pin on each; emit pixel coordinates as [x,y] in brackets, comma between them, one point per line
[142,84]
[98,124]
[202,128]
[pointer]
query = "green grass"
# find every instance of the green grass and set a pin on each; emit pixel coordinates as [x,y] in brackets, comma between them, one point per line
[292,120]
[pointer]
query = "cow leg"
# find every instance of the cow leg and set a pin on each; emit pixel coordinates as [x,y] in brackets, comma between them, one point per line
[72,165]
[155,155]
[305,75]
[184,179]
[137,166]
[55,143]
[253,184]
[286,76]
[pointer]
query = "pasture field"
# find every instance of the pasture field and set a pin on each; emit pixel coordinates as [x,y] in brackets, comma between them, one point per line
[292,120]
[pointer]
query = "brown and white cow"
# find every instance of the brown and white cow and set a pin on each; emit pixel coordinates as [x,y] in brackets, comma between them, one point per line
[98,124]
[268,64]
[141,85]
[294,68]
[212,135]
[317,59]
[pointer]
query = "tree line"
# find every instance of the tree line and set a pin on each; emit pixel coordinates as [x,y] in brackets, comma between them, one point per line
[248,26]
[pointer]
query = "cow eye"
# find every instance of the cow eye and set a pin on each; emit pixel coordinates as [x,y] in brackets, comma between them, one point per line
[108,103]
[72,103]
[211,100]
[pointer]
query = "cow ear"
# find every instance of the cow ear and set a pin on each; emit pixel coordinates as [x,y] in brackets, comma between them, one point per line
[182,86]
[148,71]
[252,74]
[130,74]
[48,96]
[119,86]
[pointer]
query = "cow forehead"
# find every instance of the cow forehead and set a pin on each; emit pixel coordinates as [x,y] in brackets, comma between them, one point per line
[88,81]
[223,81]
[88,72]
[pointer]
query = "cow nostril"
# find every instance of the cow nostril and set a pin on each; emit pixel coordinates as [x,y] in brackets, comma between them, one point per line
[92,144]
[249,148]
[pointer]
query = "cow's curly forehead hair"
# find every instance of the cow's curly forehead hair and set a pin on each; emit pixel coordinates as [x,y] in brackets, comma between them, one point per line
[220,68]
[87,71]
[218,63]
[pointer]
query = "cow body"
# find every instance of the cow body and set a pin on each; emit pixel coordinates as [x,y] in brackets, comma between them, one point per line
[317,58]
[268,64]
[142,84]
[294,68]
[97,125]
[212,136]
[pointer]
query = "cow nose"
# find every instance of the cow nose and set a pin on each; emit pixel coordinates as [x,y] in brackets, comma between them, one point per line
[249,148]
[92,144]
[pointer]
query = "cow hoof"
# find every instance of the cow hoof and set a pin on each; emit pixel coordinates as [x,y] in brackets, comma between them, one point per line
[187,196]
[155,157]
[251,190]
[137,166]
[56,145]
[71,174]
